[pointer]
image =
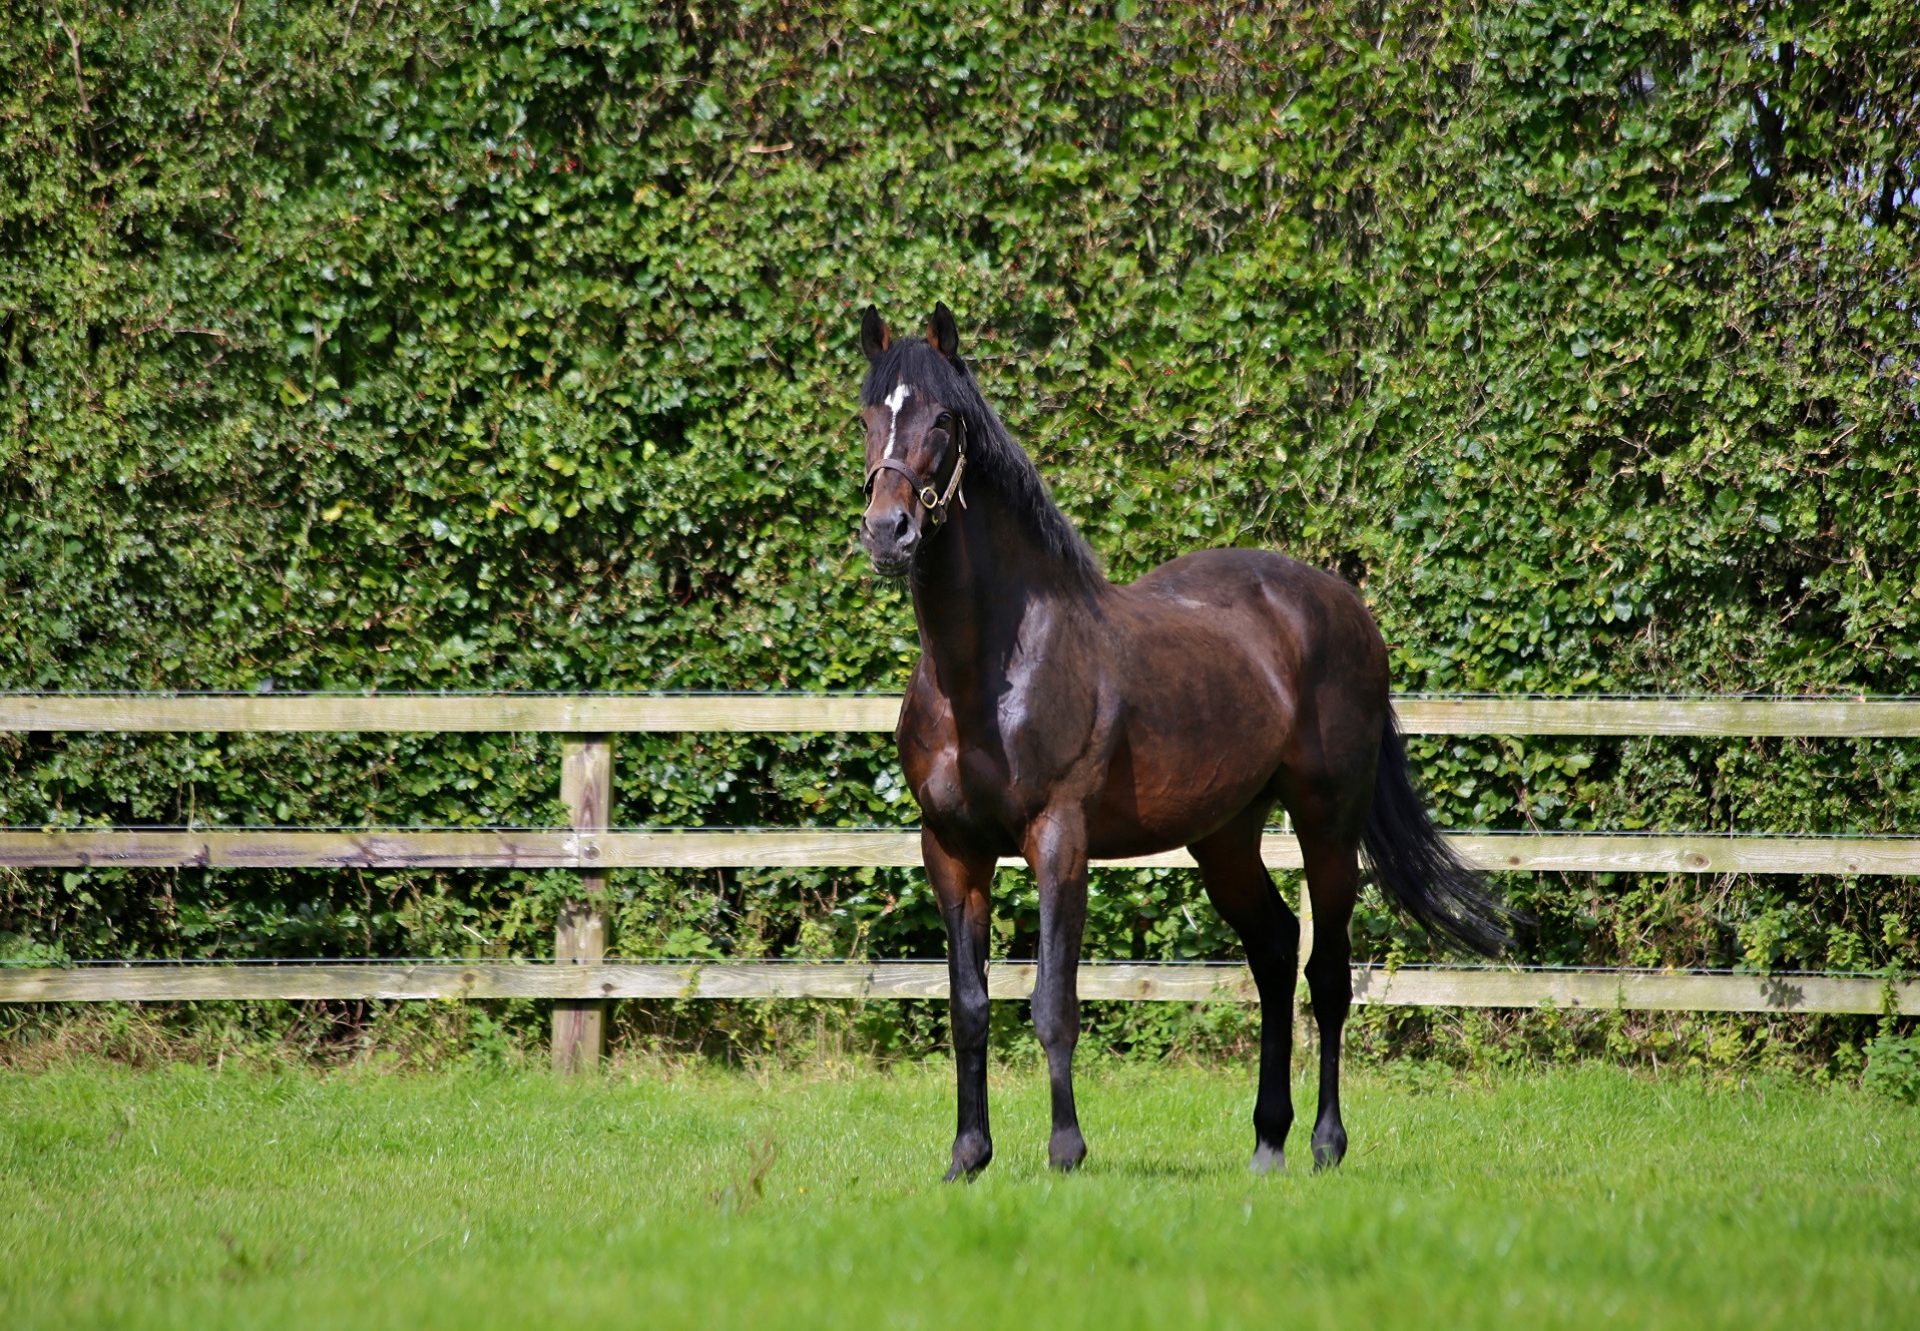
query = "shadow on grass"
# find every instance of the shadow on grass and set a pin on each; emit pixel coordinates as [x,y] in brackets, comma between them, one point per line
[1188,1171]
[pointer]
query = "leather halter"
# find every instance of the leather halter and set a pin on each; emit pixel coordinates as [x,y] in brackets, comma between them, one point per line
[934,501]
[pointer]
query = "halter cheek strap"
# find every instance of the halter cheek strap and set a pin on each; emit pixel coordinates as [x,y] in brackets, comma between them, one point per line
[935,502]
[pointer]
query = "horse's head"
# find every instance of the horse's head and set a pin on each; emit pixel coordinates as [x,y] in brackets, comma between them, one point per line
[913,407]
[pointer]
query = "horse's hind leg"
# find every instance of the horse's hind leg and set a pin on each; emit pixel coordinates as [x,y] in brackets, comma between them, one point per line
[1241,890]
[1333,880]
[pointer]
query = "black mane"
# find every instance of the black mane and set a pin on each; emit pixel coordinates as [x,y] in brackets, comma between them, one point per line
[993,458]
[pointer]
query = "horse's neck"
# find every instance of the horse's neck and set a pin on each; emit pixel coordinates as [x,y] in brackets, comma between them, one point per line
[976,592]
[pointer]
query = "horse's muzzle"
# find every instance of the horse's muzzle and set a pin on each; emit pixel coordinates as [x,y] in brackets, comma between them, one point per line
[890,540]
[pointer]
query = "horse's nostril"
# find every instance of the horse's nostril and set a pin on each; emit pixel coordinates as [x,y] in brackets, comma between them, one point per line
[901,523]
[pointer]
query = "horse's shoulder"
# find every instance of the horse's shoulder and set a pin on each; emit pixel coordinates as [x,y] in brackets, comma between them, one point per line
[926,715]
[926,737]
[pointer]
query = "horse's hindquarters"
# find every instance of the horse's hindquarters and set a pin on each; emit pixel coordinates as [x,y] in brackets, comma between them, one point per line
[1242,675]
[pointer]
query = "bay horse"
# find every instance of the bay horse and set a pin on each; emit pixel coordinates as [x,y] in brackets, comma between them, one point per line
[1057,716]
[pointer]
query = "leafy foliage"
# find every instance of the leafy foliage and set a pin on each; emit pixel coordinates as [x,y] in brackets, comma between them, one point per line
[409,346]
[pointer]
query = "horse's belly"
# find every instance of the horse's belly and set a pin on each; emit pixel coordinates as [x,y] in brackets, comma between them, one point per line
[1160,797]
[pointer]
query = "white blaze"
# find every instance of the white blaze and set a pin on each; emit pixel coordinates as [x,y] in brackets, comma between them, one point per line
[895,400]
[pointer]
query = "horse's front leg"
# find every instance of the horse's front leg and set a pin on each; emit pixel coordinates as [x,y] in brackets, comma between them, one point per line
[963,883]
[1056,849]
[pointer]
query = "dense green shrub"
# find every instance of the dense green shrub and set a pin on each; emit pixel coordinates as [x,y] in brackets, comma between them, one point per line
[400,346]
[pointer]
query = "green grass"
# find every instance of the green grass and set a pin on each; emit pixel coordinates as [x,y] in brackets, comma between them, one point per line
[1585,1197]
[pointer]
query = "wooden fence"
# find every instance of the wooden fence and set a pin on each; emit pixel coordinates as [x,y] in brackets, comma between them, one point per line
[581,981]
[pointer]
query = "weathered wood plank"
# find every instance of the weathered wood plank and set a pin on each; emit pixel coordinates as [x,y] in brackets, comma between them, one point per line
[1196,982]
[580,932]
[448,713]
[396,848]
[1305,954]
[1681,853]
[770,712]
[1647,991]
[1858,718]
[379,848]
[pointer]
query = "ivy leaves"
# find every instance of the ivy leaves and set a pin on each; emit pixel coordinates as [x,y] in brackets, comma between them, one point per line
[501,347]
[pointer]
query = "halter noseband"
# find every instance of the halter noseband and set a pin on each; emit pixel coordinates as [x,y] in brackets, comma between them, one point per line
[935,502]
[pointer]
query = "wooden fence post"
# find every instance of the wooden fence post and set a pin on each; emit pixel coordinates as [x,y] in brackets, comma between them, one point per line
[1303,1010]
[586,787]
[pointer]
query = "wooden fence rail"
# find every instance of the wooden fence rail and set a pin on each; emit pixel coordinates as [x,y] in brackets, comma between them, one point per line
[1409,986]
[597,851]
[581,982]
[1832,718]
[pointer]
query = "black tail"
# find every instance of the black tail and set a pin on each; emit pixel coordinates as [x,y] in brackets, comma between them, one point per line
[1418,871]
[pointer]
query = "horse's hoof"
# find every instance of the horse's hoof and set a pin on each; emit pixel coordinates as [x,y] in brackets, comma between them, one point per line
[1268,1159]
[1329,1151]
[970,1156]
[1066,1149]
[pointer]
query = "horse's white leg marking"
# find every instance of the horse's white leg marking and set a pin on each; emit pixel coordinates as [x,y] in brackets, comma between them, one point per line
[895,400]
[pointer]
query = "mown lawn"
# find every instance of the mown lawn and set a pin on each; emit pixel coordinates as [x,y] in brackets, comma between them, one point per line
[1587,1197]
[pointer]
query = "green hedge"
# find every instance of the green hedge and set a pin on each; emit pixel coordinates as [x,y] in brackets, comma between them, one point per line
[389,346]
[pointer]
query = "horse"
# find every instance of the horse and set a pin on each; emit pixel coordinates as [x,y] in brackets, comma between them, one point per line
[1055,715]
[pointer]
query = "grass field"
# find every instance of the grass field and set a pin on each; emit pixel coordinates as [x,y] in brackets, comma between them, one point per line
[1587,1197]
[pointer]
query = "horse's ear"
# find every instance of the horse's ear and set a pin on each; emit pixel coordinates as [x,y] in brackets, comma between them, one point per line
[874,337]
[942,336]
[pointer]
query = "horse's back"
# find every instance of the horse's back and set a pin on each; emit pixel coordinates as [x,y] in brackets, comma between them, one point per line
[1229,574]
[1276,602]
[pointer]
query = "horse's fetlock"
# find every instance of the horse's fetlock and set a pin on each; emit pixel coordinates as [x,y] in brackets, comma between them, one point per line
[1271,1127]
